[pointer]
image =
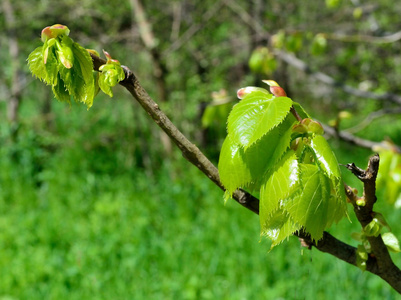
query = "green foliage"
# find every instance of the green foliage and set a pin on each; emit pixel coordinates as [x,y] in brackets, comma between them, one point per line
[68,68]
[287,161]
[110,74]
[374,229]
[64,65]
[256,115]
[262,61]
[389,177]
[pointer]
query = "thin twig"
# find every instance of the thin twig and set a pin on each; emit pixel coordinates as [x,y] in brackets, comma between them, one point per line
[301,65]
[352,139]
[371,117]
[391,38]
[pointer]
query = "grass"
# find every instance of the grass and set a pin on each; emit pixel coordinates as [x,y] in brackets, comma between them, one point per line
[80,220]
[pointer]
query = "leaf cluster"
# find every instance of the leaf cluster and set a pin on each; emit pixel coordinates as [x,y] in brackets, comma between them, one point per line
[268,151]
[68,67]
[374,229]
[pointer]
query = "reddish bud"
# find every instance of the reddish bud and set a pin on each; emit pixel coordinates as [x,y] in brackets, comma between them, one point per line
[275,89]
[241,93]
[54,31]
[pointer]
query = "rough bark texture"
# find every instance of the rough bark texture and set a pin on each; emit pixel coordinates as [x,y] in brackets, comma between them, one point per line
[379,263]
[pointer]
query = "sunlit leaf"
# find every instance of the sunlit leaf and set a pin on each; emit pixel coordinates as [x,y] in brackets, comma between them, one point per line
[325,156]
[279,226]
[240,168]
[281,182]
[310,207]
[256,115]
[391,241]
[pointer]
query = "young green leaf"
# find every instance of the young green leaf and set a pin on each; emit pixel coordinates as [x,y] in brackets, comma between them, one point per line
[239,167]
[391,241]
[282,181]
[256,115]
[310,207]
[279,226]
[110,74]
[36,64]
[361,257]
[60,91]
[325,156]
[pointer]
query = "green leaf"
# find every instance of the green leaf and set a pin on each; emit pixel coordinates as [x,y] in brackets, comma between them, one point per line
[83,79]
[300,110]
[310,207]
[106,88]
[78,79]
[36,64]
[241,168]
[60,91]
[325,156]
[64,51]
[279,226]
[361,257]
[373,228]
[391,241]
[85,62]
[256,114]
[282,181]
[52,68]
[216,114]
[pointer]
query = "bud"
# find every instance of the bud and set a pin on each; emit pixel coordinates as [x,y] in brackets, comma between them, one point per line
[373,228]
[275,89]
[54,31]
[94,52]
[241,93]
[361,202]
[315,127]
[300,128]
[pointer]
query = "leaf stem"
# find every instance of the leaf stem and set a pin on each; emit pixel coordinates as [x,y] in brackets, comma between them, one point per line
[295,114]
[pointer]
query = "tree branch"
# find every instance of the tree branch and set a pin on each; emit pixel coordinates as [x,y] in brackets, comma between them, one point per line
[352,139]
[386,269]
[191,152]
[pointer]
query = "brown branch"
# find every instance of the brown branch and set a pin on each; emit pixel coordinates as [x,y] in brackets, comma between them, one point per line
[372,116]
[391,38]
[386,269]
[191,152]
[352,139]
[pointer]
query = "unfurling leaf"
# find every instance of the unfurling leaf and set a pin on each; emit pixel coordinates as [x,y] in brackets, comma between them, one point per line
[373,228]
[110,74]
[64,65]
[256,115]
[361,257]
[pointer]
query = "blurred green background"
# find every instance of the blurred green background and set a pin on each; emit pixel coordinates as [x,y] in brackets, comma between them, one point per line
[98,205]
